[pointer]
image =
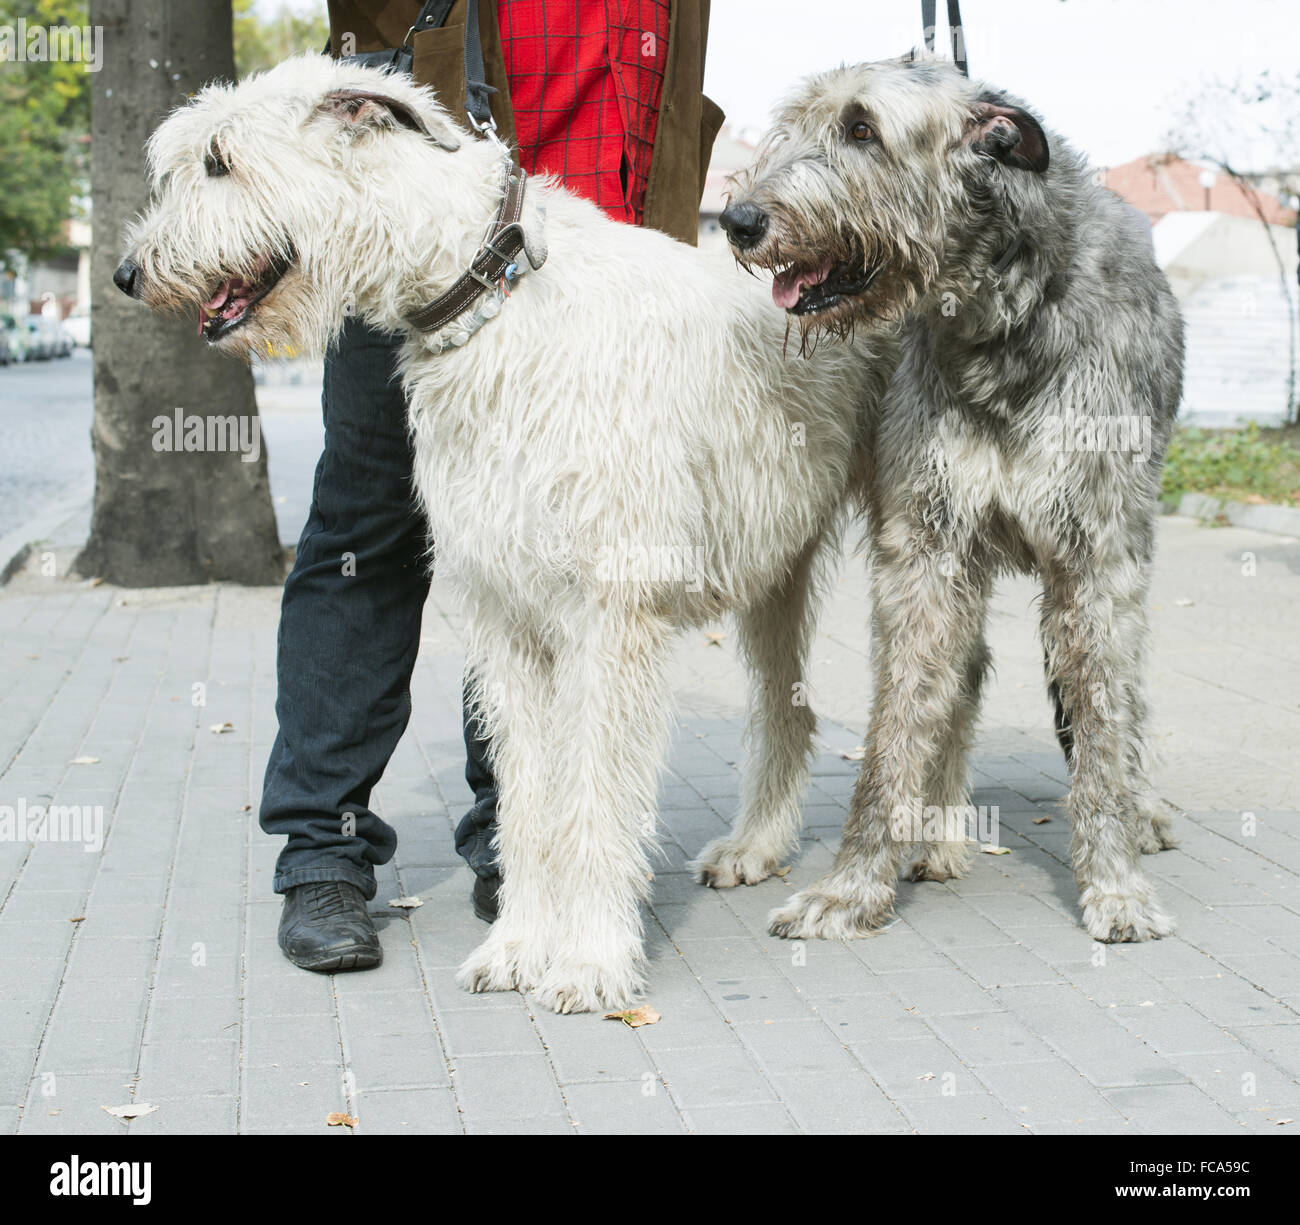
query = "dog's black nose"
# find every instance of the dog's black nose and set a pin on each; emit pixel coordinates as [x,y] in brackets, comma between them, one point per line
[745,225]
[126,276]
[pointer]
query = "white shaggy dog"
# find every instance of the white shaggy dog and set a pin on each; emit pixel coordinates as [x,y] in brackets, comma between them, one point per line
[620,449]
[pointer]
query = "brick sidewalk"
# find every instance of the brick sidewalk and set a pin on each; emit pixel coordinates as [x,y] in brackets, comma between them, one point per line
[149,973]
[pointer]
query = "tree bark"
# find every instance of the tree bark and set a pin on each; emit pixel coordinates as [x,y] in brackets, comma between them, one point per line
[162,517]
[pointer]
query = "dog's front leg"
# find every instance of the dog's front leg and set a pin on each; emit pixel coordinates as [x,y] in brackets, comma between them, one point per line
[927,621]
[610,742]
[516,698]
[1095,653]
[775,636]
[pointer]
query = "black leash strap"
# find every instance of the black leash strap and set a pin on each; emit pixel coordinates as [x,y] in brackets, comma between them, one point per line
[477,90]
[433,16]
[955,31]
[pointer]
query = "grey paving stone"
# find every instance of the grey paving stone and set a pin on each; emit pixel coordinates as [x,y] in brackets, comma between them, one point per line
[713,1076]
[897,948]
[76,1107]
[521,1125]
[639,1107]
[752,1119]
[86,1044]
[725,961]
[591,1048]
[1175,1029]
[1281,1043]
[182,1069]
[1242,1081]
[982,1038]
[1047,1092]
[190,1116]
[962,1114]
[294,1041]
[496,1031]
[287,1099]
[855,1019]
[1170,1110]
[1231,1001]
[1004,965]
[790,1048]
[839,1103]
[1087,1036]
[408,1112]
[761,998]
[938,991]
[916,1067]
[496,1092]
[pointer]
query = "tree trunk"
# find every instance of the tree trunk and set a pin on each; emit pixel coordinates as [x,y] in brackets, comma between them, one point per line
[163,515]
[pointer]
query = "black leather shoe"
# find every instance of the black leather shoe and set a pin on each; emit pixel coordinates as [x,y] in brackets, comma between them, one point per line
[325,926]
[484,897]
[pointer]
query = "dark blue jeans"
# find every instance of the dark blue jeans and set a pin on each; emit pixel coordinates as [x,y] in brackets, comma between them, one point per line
[349,633]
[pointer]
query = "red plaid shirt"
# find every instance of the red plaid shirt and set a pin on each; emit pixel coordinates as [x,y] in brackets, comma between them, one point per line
[586,78]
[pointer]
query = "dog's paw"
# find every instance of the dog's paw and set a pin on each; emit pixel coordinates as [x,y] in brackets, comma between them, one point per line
[1123,918]
[725,863]
[940,861]
[501,964]
[817,914]
[571,985]
[1155,832]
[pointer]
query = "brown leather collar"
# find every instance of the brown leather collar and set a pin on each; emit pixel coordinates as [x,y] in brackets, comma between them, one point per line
[499,252]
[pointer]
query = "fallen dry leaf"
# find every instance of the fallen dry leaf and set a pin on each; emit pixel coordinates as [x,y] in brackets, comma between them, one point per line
[782,871]
[713,638]
[130,1112]
[81,918]
[634,1017]
[855,754]
[926,1076]
[336,1118]
[989,849]
[1041,820]
[405,903]
[217,728]
[1284,1122]
[94,582]
[83,761]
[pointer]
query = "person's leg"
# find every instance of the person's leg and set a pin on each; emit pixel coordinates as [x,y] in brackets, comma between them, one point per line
[349,629]
[477,829]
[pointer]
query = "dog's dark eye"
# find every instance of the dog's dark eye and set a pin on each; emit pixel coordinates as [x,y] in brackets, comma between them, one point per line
[215,164]
[862,131]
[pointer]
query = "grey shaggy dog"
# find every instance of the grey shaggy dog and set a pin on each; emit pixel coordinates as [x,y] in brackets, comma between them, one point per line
[1042,357]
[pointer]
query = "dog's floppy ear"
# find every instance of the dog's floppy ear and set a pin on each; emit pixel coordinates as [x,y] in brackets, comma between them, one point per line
[363,108]
[1009,135]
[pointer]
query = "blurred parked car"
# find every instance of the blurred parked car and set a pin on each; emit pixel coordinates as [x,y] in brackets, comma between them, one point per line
[78,326]
[13,339]
[38,339]
[59,337]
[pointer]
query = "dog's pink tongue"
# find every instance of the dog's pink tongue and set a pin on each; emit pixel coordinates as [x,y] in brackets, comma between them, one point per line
[214,303]
[787,286]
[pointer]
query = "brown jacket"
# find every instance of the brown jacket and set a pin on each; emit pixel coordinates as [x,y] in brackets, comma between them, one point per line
[688,121]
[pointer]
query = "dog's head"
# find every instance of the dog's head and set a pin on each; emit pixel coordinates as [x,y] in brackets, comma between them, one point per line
[866,182]
[278,207]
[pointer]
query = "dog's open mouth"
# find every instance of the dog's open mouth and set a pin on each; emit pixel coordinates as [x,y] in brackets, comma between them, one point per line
[235,299]
[804,289]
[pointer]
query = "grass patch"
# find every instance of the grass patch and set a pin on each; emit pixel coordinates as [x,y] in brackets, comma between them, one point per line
[1249,464]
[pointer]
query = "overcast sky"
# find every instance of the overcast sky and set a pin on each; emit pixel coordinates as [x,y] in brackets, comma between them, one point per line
[1106,74]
